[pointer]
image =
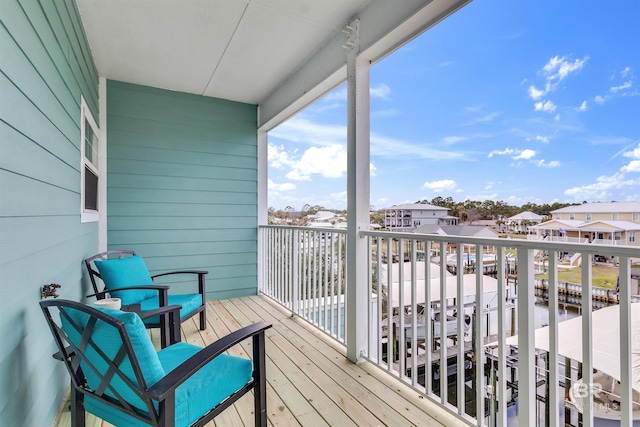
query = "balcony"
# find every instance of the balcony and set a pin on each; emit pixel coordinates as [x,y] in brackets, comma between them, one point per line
[309,380]
[512,344]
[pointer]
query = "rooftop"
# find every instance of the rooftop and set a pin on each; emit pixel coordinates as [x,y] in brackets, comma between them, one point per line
[418,207]
[601,207]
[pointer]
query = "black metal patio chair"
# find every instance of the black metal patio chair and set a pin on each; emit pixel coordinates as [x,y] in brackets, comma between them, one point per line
[117,375]
[125,276]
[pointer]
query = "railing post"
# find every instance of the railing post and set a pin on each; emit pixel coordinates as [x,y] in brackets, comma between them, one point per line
[295,274]
[526,339]
[627,325]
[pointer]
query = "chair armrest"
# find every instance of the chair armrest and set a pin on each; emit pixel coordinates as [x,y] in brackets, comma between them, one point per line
[186,369]
[159,288]
[174,309]
[201,279]
[199,272]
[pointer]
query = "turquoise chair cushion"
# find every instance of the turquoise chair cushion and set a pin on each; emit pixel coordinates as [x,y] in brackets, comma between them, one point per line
[189,303]
[108,340]
[123,272]
[212,384]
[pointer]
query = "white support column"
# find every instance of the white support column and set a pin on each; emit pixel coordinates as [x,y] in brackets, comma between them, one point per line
[526,340]
[102,167]
[262,189]
[358,182]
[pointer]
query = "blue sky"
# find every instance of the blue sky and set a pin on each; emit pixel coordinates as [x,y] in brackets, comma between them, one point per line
[520,101]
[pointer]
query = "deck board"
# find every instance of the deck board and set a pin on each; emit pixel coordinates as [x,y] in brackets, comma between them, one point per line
[309,380]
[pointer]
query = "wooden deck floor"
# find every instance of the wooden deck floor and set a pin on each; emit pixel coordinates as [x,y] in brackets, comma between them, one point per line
[309,380]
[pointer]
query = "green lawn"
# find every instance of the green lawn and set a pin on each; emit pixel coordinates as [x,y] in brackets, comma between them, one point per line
[603,276]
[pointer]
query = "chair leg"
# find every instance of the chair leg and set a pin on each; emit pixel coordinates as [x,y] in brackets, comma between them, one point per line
[166,330]
[260,390]
[175,330]
[203,319]
[77,408]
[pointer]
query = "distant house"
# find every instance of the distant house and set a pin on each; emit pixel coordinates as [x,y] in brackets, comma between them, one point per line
[521,222]
[609,222]
[409,216]
[458,230]
[325,219]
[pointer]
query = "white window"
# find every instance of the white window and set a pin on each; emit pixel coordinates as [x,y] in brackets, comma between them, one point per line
[614,216]
[632,236]
[589,216]
[635,217]
[572,216]
[558,216]
[89,169]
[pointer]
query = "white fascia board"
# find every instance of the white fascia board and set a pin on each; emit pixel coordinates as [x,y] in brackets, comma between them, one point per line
[384,27]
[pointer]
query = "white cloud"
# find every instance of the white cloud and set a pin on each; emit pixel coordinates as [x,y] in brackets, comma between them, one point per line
[536,94]
[453,139]
[390,147]
[633,166]
[625,85]
[338,199]
[559,67]
[544,164]
[381,91]
[506,151]
[583,106]
[278,158]
[601,189]
[287,186]
[525,155]
[308,132]
[539,138]
[443,185]
[600,99]
[302,130]
[634,154]
[329,162]
[547,106]
[484,119]
[379,203]
[554,71]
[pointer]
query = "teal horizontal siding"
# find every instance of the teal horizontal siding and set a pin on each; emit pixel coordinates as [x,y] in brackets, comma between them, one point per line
[45,67]
[182,184]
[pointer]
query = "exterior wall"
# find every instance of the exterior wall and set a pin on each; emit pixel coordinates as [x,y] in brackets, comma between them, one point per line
[182,184]
[596,216]
[407,219]
[45,65]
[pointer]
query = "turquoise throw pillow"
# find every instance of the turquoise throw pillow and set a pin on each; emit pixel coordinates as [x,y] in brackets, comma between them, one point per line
[123,272]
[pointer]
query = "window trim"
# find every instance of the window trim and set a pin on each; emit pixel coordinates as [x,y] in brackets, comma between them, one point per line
[86,117]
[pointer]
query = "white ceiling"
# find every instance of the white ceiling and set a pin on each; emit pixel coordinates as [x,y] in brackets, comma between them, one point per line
[231,49]
[278,54]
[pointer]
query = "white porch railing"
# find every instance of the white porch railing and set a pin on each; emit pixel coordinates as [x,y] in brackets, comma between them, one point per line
[450,336]
[305,271]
